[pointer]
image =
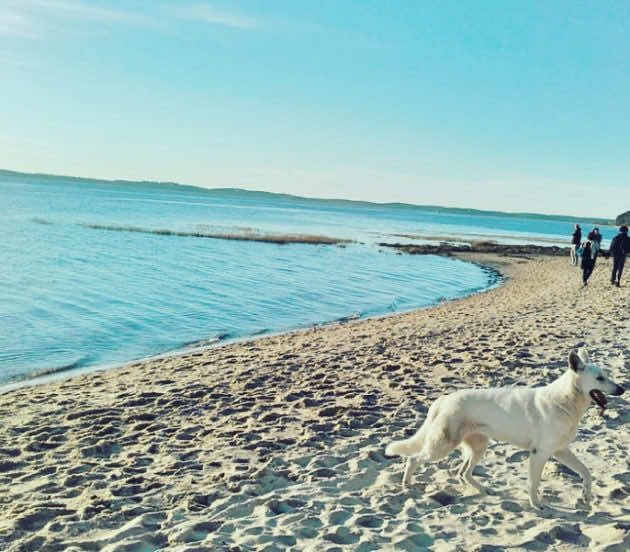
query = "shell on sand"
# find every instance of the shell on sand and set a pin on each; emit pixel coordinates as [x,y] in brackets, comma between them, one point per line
[277,443]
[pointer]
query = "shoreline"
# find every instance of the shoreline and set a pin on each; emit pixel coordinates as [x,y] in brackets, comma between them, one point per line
[53,374]
[277,443]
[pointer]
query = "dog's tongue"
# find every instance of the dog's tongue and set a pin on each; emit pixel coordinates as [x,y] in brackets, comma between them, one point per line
[601,400]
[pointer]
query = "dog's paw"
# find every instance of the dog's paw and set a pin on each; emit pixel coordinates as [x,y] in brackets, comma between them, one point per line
[584,502]
[581,504]
[542,509]
[536,500]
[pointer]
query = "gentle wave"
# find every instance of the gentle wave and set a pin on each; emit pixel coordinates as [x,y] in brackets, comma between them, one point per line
[280,239]
[39,220]
[55,370]
[200,343]
[349,318]
[229,336]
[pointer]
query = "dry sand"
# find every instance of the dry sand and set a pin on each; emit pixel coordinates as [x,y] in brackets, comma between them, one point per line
[277,443]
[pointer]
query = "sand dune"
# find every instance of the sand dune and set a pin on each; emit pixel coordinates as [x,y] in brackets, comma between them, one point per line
[277,443]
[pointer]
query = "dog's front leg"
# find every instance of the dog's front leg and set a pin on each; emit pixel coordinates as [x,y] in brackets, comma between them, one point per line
[537,459]
[568,459]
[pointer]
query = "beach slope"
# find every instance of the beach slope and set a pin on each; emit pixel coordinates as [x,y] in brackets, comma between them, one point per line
[278,443]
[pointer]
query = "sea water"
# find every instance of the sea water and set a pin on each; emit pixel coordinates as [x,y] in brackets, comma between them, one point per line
[98,273]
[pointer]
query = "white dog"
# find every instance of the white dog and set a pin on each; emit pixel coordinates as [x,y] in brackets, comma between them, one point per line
[542,420]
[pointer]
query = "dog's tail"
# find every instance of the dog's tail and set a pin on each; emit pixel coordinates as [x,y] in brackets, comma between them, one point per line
[407,447]
[415,444]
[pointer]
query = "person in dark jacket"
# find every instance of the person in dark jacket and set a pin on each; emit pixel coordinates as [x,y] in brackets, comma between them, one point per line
[588,261]
[619,248]
[576,239]
[596,242]
[597,237]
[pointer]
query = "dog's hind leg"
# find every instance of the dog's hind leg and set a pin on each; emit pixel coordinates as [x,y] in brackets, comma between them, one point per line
[431,455]
[467,453]
[473,446]
[410,468]
[567,458]
[432,451]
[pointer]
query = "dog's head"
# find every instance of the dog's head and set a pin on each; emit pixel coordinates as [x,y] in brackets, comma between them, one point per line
[592,380]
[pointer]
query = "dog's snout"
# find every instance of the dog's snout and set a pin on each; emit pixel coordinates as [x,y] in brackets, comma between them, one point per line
[619,390]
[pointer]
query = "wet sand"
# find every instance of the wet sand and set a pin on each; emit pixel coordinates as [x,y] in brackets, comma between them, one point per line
[277,443]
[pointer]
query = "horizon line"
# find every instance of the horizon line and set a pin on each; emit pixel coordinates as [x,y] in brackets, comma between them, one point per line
[329,199]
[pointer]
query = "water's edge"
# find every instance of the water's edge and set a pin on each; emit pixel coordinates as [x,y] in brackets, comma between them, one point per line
[496,278]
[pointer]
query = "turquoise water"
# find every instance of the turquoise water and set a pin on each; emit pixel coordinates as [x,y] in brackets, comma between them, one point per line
[73,295]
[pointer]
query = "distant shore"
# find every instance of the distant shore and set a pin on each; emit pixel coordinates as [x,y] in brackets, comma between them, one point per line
[277,443]
[8,174]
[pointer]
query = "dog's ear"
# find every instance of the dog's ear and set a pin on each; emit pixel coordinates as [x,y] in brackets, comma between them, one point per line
[583,354]
[575,362]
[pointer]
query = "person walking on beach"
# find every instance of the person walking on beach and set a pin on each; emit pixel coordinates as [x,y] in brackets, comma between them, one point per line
[588,261]
[619,248]
[576,239]
[590,249]
[596,242]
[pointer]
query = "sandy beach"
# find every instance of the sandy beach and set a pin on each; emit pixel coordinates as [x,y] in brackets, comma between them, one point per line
[278,443]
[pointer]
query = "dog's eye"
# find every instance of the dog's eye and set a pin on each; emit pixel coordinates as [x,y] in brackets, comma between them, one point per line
[600,378]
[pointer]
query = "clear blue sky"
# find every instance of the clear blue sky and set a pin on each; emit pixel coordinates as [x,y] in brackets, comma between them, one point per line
[517,106]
